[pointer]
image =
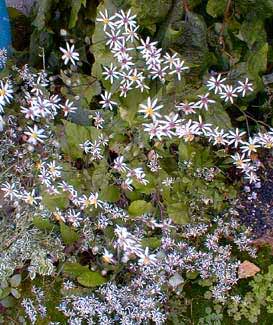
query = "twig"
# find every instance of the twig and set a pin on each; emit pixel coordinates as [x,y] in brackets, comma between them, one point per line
[226,14]
[186,6]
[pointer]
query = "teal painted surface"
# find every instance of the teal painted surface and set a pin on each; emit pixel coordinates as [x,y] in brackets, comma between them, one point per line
[5,34]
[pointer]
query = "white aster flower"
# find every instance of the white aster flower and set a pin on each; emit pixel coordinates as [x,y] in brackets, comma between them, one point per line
[69,54]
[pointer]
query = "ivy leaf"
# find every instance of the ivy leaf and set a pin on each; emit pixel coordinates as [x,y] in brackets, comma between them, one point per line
[216,8]
[91,279]
[139,207]
[74,269]
[69,235]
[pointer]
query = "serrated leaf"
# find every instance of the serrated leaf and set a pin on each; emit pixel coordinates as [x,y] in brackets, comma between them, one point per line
[217,116]
[257,61]
[43,224]
[51,202]
[178,212]
[139,207]
[91,279]
[152,242]
[4,292]
[69,235]
[111,193]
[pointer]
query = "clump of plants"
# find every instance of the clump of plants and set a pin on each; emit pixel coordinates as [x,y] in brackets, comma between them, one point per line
[119,189]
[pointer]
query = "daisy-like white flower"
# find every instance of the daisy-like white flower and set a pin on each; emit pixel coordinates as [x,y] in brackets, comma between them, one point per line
[187,131]
[171,60]
[108,257]
[216,83]
[2,123]
[252,177]
[218,137]
[169,126]
[150,109]
[35,135]
[119,165]
[228,94]
[131,34]
[235,137]
[179,68]
[30,197]
[244,87]
[6,92]
[68,107]
[204,101]
[250,146]
[200,126]
[168,181]
[106,20]
[187,108]
[89,201]
[239,160]
[111,73]
[154,129]
[113,38]
[10,190]
[146,258]
[106,100]
[69,54]
[125,20]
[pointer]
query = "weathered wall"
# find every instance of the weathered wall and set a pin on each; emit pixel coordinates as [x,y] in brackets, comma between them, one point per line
[22,5]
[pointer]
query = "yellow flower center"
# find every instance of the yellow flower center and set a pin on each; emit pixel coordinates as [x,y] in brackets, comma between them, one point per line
[106,21]
[149,111]
[2,92]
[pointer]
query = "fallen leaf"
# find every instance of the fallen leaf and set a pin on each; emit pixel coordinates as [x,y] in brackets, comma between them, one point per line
[247,269]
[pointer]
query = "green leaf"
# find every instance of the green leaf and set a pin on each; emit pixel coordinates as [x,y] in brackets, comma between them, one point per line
[257,61]
[111,193]
[139,207]
[74,136]
[4,292]
[51,202]
[91,279]
[42,14]
[216,8]
[76,6]
[69,235]
[217,116]
[251,30]
[152,242]
[178,212]
[15,280]
[74,269]
[16,294]
[43,224]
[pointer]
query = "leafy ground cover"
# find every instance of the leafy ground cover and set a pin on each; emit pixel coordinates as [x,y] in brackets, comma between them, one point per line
[136,163]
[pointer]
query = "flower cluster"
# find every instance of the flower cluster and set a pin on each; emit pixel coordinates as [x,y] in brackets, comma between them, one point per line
[127,46]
